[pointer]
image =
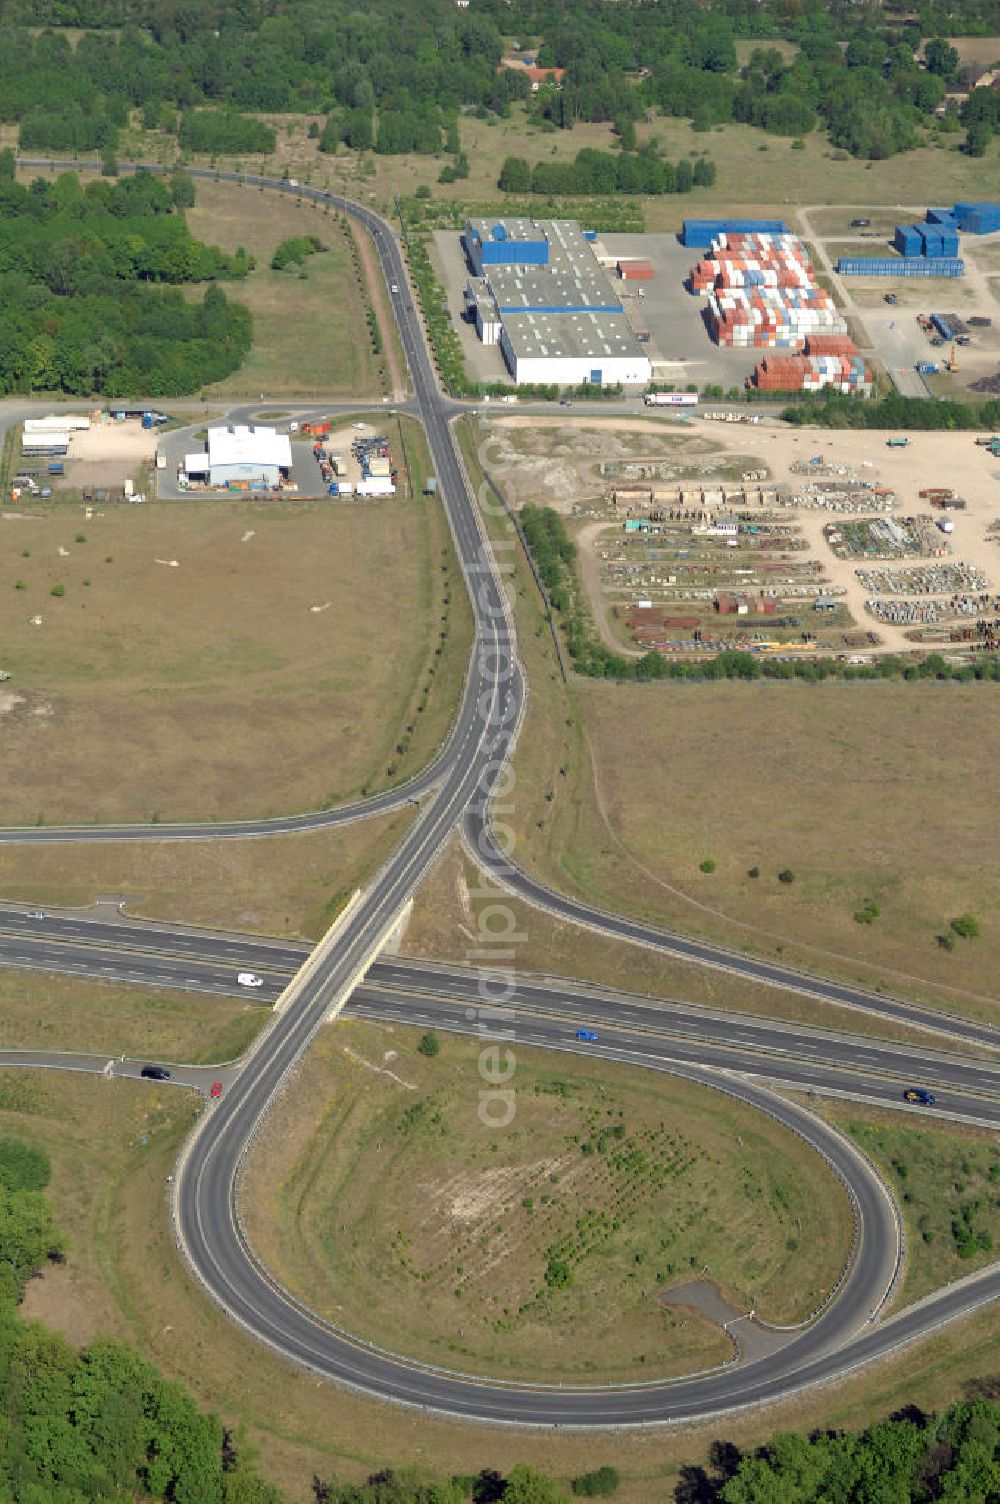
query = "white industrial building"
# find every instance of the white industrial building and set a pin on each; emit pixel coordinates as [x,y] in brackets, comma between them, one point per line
[242,455]
[542,295]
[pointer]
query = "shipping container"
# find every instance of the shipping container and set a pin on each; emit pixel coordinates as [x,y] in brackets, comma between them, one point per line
[907,240]
[902,266]
[701,232]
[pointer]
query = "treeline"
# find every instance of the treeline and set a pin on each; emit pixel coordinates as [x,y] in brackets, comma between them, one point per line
[224,133]
[78,312]
[554,554]
[835,410]
[737,664]
[95,1423]
[603,172]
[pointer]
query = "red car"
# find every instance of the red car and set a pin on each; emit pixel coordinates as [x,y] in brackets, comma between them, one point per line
[216,1089]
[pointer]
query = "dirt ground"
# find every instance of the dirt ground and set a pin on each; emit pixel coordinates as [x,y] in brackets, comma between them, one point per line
[164,658]
[108,453]
[930,459]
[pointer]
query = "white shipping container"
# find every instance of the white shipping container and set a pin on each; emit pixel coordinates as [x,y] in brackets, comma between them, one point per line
[49,440]
[58,422]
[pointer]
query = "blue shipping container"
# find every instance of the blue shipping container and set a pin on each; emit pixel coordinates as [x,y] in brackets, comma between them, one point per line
[900,266]
[701,232]
[949,243]
[906,240]
[939,216]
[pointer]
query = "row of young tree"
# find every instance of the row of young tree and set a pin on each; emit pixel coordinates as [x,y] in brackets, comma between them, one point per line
[604,172]
[78,309]
[395,75]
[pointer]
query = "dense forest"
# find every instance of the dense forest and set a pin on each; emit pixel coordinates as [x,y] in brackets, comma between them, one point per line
[395,76]
[78,309]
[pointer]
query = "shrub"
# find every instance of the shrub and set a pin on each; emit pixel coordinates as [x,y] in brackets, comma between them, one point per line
[868,913]
[58,590]
[707,865]
[599,1484]
[753,872]
[786,875]
[429,1044]
[23,1166]
[966,926]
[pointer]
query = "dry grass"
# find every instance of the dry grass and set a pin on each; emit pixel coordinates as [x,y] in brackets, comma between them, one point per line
[840,784]
[380,1197]
[286,885]
[758,173]
[938,1174]
[194,682]
[70,1013]
[310,333]
[444,925]
[123,1277]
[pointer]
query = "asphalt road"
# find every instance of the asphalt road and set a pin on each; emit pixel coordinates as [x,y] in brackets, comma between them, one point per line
[540,1010]
[206,1186]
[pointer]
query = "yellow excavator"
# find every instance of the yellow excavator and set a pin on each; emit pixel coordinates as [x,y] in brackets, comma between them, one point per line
[952,359]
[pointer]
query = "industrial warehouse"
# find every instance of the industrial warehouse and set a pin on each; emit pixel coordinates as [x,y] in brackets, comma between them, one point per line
[540,292]
[242,457]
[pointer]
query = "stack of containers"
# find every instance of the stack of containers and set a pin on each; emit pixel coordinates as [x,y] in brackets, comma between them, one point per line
[812,373]
[907,240]
[978,219]
[930,240]
[762,293]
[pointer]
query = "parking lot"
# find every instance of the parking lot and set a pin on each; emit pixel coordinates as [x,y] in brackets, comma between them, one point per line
[673,315]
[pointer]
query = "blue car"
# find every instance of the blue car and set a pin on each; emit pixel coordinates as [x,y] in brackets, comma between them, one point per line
[587,1035]
[917,1094]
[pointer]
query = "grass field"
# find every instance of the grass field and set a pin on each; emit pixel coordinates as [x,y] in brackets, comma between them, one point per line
[71,1013]
[537,1250]
[310,333]
[123,1277]
[286,885]
[842,788]
[149,691]
[946,1180]
[758,173]
[445,925]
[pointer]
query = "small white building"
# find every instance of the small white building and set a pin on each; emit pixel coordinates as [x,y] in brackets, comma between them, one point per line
[243,455]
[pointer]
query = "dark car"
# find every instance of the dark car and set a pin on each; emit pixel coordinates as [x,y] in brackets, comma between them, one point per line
[155,1073]
[587,1035]
[917,1094]
[860,224]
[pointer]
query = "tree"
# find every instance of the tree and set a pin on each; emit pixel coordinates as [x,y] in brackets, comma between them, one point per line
[941,59]
[515,176]
[429,1044]
[977,139]
[525,1486]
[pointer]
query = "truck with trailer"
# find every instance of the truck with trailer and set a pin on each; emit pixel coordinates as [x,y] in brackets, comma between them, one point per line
[671,399]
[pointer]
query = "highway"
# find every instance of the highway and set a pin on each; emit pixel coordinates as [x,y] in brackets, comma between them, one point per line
[542,1010]
[206,1188]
